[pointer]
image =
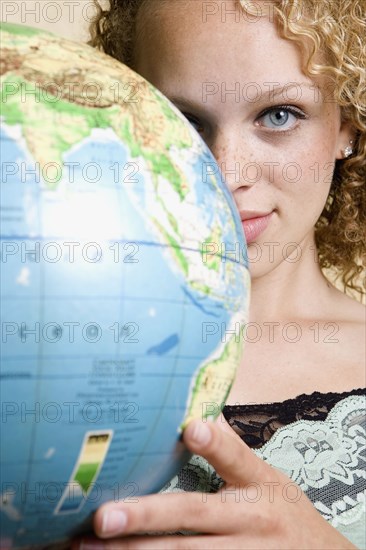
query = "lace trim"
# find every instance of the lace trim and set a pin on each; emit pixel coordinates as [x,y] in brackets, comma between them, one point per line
[256,424]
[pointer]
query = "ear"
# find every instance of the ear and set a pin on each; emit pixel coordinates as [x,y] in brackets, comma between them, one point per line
[346,138]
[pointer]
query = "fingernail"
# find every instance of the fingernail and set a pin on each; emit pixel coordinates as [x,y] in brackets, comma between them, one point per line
[201,433]
[114,522]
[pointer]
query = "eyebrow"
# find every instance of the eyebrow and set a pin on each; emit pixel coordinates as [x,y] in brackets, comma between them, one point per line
[275,92]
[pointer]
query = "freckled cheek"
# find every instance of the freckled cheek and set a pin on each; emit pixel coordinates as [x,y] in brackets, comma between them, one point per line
[311,172]
[302,190]
[319,173]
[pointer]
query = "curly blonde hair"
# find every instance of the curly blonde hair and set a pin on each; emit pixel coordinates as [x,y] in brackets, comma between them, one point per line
[335,28]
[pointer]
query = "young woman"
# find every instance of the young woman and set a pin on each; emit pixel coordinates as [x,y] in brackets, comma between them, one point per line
[277,91]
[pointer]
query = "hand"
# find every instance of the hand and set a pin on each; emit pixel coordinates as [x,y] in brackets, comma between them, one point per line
[254,509]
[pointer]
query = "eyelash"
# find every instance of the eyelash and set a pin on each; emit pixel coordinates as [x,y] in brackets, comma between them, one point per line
[191,119]
[295,111]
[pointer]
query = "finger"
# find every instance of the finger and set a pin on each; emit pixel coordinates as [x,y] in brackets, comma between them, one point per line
[232,459]
[155,543]
[197,512]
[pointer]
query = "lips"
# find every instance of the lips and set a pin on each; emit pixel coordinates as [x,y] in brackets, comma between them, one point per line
[254,223]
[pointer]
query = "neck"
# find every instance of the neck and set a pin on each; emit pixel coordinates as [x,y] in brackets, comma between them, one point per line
[292,290]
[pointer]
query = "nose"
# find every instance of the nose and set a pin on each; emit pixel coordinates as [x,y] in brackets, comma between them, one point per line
[235,161]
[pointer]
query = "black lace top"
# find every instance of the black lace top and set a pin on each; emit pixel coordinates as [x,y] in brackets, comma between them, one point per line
[256,424]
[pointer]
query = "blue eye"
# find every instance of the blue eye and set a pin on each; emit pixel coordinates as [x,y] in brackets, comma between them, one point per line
[281,118]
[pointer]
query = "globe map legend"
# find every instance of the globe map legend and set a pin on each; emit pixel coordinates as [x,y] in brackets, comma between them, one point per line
[91,459]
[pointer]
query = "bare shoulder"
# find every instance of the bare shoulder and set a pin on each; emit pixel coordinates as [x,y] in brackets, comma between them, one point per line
[349,318]
[346,309]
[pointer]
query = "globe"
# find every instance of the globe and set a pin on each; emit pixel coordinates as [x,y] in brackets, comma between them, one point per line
[124,286]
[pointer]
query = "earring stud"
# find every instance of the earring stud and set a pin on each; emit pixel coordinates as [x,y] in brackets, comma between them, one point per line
[347,151]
